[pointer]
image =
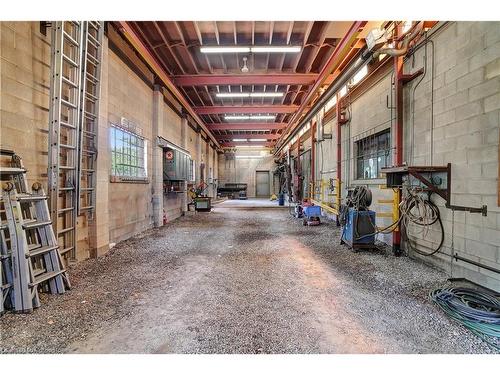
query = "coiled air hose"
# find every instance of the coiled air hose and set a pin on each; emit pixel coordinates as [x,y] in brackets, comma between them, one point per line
[478,311]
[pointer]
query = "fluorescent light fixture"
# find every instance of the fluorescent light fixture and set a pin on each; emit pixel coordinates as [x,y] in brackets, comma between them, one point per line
[227,49]
[257,140]
[266,94]
[407,26]
[263,117]
[232,95]
[237,117]
[239,140]
[276,49]
[250,146]
[249,94]
[249,117]
[249,156]
[255,49]
[331,103]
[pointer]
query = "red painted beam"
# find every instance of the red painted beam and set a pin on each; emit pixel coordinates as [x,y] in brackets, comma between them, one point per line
[248,79]
[340,52]
[247,136]
[144,52]
[399,104]
[230,109]
[236,144]
[248,126]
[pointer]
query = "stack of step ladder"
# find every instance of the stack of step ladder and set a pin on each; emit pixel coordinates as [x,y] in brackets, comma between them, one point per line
[29,249]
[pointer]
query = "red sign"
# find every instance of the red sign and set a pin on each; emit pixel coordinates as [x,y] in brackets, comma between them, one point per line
[169,155]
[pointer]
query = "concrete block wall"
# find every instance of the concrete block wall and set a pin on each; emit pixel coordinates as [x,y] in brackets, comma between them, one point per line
[123,209]
[24,104]
[370,115]
[463,129]
[129,97]
[465,132]
[24,90]
[244,170]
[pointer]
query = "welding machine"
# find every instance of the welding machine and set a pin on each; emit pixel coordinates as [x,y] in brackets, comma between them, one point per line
[358,222]
[359,228]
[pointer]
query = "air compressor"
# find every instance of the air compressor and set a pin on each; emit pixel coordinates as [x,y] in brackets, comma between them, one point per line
[357,220]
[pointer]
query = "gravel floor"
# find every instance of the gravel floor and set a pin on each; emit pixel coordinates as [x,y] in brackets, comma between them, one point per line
[241,281]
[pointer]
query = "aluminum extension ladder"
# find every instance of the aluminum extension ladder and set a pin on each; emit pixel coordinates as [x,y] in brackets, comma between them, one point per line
[74,108]
[29,248]
[93,32]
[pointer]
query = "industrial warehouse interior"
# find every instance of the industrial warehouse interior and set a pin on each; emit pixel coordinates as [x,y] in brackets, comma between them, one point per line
[236,185]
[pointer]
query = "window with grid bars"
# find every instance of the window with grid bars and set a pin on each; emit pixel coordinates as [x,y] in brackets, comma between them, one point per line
[128,155]
[372,154]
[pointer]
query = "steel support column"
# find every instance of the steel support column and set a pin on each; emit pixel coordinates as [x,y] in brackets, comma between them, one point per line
[398,137]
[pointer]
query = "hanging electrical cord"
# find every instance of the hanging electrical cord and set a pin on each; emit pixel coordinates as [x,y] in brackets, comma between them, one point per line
[414,209]
[478,311]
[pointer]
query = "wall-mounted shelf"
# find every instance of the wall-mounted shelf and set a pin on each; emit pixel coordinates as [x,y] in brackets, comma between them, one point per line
[435,179]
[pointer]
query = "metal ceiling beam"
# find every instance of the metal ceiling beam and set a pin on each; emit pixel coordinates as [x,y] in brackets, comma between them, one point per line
[251,126]
[236,144]
[340,52]
[156,67]
[248,136]
[247,79]
[229,109]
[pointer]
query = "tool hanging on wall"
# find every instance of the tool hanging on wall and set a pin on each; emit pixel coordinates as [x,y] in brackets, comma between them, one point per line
[29,249]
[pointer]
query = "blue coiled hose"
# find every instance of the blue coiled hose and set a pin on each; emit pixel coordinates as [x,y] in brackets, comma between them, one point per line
[478,311]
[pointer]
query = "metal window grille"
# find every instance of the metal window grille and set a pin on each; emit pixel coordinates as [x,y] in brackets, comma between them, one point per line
[373,153]
[128,154]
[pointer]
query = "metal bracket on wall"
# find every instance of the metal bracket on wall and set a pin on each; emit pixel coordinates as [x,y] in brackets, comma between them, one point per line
[482,210]
[428,177]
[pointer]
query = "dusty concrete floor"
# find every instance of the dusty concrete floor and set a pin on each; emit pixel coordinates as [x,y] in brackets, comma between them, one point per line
[241,281]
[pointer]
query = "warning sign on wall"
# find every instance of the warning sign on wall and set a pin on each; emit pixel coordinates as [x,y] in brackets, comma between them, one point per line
[169,155]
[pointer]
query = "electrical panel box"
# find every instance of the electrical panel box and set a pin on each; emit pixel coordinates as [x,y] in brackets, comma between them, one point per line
[176,165]
[375,39]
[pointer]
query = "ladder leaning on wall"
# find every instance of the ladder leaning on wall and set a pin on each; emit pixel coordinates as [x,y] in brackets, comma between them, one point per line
[73,121]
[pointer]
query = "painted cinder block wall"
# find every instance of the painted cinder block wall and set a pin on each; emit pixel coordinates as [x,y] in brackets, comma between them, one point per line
[24,104]
[123,209]
[244,170]
[466,86]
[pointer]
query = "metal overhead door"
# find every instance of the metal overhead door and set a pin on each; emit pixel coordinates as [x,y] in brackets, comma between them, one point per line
[262,184]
